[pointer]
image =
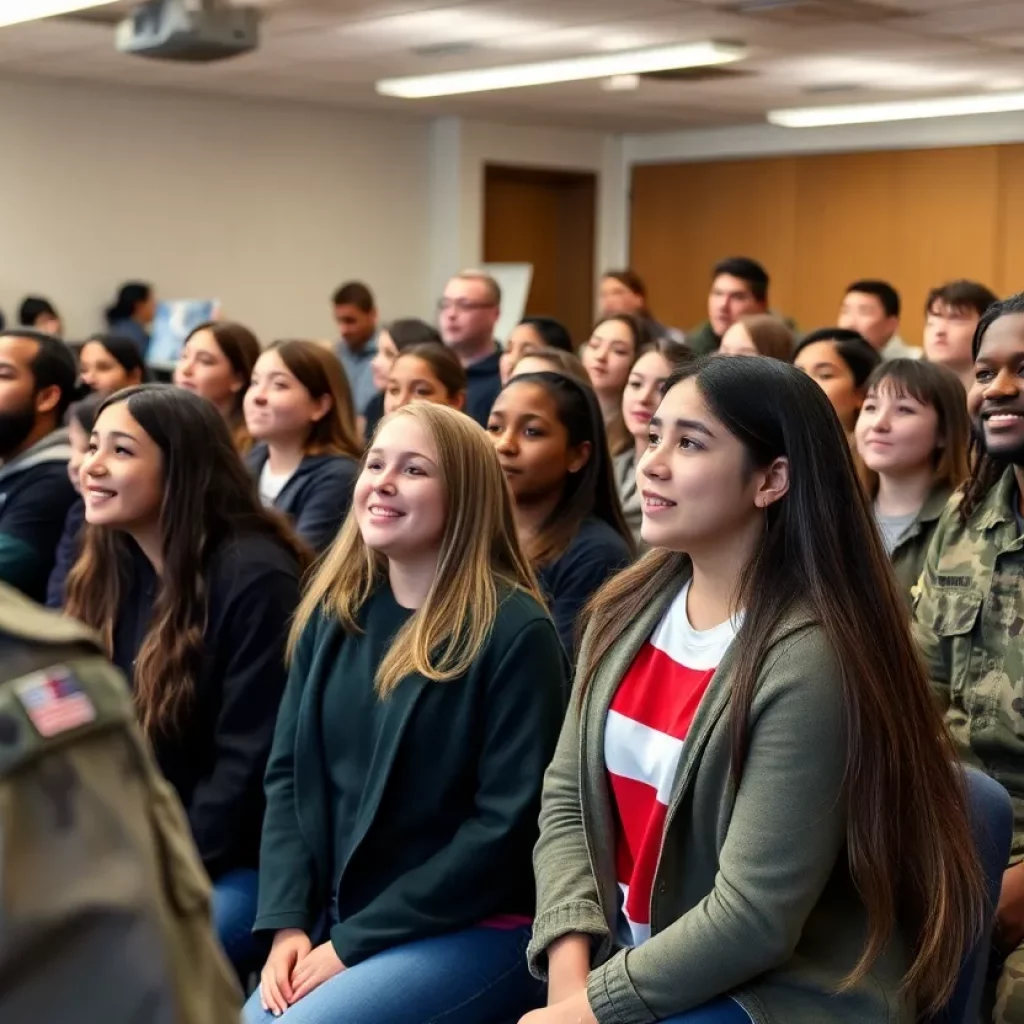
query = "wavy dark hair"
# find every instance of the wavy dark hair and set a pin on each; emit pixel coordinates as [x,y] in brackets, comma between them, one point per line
[985,470]
[915,865]
[208,499]
[591,491]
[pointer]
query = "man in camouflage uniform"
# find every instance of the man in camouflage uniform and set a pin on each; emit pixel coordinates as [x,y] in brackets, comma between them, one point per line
[969,613]
[104,906]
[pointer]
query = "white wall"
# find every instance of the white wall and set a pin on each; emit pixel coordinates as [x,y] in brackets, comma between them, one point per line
[268,207]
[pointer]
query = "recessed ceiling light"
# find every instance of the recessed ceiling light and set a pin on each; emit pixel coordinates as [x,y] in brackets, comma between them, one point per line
[13,12]
[902,110]
[571,69]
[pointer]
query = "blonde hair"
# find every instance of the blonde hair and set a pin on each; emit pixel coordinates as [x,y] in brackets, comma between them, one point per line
[479,556]
[485,279]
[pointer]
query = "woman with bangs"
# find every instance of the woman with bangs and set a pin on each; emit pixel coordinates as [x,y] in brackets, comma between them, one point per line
[912,436]
[426,691]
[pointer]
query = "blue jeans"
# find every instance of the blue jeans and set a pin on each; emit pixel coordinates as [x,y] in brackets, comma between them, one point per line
[477,976]
[234,911]
[721,1011]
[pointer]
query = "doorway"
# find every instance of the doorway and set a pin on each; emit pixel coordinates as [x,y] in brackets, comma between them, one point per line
[548,219]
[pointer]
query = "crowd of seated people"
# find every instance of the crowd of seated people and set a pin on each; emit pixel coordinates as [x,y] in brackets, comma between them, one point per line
[609,679]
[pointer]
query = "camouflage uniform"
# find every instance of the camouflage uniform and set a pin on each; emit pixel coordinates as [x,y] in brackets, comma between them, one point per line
[104,906]
[969,621]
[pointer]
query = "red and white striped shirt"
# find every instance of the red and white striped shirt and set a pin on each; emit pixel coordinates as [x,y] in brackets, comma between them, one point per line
[644,734]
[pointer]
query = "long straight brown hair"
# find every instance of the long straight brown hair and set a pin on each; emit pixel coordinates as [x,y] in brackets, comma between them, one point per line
[208,498]
[913,862]
[480,556]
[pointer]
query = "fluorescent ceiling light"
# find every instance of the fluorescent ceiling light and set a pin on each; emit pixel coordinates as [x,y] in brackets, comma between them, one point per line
[571,69]
[12,12]
[901,110]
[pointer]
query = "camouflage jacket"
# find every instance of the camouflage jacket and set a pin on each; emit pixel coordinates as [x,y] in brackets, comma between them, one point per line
[969,621]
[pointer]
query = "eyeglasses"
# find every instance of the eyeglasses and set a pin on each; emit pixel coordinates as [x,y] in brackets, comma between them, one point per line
[462,305]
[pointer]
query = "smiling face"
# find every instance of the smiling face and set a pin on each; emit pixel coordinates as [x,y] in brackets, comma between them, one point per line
[996,401]
[101,372]
[278,407]
[608,355]
[400,497]
[413,379]
[642,396]
[122,474]
[696,486]
[532,443]
[896,434]
[205,370]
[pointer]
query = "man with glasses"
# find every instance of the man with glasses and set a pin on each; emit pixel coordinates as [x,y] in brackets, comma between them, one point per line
[468,314]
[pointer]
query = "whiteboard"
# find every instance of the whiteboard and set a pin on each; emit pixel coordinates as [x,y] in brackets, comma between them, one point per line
[515,280]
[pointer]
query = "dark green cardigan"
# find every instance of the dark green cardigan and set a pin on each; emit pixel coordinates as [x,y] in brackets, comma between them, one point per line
[443,833]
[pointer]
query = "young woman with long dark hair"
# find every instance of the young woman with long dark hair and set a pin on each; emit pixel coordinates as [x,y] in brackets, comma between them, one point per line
[426,691]
[912,436]
[191,584]
[607,355]
[754,813]
[298,410]
[969,611]
[549,434]
[216,363]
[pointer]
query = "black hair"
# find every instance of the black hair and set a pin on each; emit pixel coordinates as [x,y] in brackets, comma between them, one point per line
[409,331]
[961,296]
[747,270]
[853,348]
[881,290]
[52,366]
[590,492]
[84,412]
[32,308]
[986,471]
[124,351]
[553,332]
[130,296]
[355,293]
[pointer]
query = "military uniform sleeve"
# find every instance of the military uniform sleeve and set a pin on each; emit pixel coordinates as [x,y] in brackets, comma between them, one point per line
[934,649]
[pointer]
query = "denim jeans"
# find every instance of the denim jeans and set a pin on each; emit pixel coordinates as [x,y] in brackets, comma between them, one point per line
[477,976]
[721,1011]
[234,911]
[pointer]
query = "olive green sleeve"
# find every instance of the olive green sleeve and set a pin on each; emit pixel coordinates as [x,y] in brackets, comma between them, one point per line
[934,649]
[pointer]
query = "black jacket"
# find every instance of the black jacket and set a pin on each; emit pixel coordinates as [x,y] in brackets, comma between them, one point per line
[68,548]
[35,495]
[484,383]
[215,759]
[569,582]
[317,497]
[456,771]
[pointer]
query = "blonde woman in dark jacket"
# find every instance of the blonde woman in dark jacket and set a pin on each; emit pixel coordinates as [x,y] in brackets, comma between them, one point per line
[753,813]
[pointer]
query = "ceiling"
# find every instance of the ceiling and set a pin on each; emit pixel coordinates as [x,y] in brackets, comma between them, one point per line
[801,53]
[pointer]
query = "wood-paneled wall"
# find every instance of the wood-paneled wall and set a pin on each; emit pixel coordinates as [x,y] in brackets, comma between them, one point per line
[915,218]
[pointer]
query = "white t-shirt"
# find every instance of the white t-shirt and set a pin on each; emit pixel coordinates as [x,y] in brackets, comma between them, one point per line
[271,484]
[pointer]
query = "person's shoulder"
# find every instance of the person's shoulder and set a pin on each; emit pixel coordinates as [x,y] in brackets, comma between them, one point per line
[517,609]
[255,457]
[248,557]
[23,619]
[596,536]
[329,467]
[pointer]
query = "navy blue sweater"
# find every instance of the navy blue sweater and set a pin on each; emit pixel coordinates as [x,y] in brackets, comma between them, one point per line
[317,496]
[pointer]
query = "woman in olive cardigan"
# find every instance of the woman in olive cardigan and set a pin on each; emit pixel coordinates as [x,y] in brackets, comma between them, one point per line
[782,890]
[426,691]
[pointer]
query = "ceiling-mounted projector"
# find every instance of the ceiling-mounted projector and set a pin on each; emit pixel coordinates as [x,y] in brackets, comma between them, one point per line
[189,30]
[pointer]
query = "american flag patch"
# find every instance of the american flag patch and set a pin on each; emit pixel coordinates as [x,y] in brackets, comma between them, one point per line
[54,702]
